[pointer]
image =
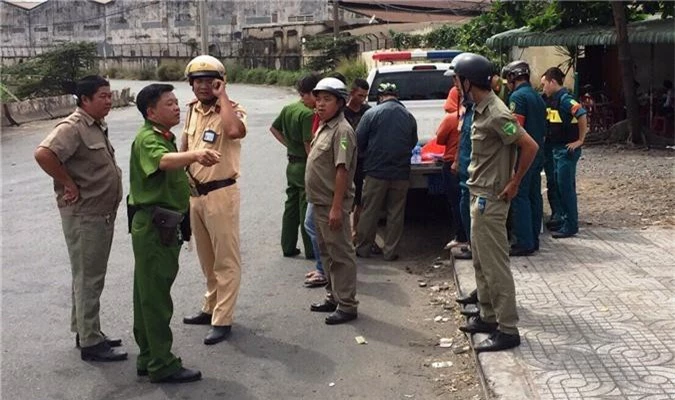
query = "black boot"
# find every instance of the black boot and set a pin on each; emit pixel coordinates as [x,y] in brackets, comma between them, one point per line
[102,352]
[183,375]
[472,298]
[477,325]
[497,341]
[200,319]
[217,334]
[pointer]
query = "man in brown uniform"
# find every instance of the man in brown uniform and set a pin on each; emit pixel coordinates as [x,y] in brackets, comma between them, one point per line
[88,184]
[495,137]
[214,122]
[329,183]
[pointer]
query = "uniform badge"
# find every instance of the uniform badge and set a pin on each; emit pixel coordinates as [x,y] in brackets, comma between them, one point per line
[343,143]
[209,136]
[509,128]
[512,106]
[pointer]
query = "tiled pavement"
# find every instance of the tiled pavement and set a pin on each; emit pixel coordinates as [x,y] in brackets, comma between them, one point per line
[597,319]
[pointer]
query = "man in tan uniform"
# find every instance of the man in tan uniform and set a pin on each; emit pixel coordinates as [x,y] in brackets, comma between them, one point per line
[88,184]
[329,183]
[495,137]
[215,122]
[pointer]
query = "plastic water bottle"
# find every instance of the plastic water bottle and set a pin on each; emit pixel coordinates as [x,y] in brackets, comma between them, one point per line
[416,155]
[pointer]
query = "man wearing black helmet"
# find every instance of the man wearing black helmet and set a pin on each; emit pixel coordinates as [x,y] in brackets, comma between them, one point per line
[493,184]
[530,110]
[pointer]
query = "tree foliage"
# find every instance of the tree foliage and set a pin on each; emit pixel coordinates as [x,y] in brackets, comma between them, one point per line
[331,51]
[540,16]
[46,74]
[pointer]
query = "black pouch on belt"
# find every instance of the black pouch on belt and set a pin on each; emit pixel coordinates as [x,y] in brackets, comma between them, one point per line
[185,228]
[166,221]
[131,210]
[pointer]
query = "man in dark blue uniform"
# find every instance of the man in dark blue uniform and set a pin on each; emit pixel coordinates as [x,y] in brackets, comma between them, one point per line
[530,110]
[568,126]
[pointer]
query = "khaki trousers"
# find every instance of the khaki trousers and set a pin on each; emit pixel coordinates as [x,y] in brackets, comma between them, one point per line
[338,258]
[215,226]
[381,194]
[490,247]
[89,239]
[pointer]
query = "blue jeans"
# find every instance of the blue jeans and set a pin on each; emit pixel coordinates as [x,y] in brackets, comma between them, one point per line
[527,208]
[565,179]
[452,192]
[310,228]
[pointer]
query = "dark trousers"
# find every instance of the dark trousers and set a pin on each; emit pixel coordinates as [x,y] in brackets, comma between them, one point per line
[527,208]
[295,211]
[453,194]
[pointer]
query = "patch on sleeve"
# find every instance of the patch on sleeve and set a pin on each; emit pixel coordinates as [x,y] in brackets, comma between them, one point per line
[575,106]
[512,106]
[509,128]
[343,143]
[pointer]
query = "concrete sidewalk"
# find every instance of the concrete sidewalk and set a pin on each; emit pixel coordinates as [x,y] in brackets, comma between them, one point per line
[597,319]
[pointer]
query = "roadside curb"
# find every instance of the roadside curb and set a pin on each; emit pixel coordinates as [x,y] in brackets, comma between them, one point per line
[503,376]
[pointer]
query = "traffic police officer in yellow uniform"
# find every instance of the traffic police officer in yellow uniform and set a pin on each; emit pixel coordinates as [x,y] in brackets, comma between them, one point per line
[88,184]
[215,122]
[158,199]
[495,136]
[329,182]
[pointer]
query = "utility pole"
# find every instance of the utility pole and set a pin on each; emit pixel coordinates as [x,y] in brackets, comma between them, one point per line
[203,26]
[336,19]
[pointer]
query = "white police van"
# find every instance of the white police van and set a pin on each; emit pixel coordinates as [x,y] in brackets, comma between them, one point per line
[422,89]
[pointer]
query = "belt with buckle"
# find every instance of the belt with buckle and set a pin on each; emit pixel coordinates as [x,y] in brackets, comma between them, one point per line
[202,189]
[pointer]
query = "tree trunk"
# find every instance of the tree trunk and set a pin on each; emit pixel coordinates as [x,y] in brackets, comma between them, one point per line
[626,62]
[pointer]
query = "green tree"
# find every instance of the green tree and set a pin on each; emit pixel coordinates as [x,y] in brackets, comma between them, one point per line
[46,74]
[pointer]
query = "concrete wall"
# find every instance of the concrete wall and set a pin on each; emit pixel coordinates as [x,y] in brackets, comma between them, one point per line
[146,28]
[21,112]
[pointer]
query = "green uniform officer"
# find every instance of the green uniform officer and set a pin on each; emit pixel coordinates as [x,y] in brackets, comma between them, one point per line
[293,129]
[158,199]
[492,184]
[330,188]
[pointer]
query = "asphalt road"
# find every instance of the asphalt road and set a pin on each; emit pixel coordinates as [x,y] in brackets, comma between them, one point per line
[279,350]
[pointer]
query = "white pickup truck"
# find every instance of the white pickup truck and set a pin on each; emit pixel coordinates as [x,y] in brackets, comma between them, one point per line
[422,89]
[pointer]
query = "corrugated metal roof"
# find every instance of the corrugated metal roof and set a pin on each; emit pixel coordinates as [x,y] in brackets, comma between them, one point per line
[655,31]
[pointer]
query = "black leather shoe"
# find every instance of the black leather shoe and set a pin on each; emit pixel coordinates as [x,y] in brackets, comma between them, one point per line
[217,334]
[326,306]
[472,298]
[340,317]
[102,352]
[498,341]
[553,225]
[183,375]
[477,325]
[200,319]
[470,310]
[292,253]
[111,342]
[562,234]
[463,255]
[520,252]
